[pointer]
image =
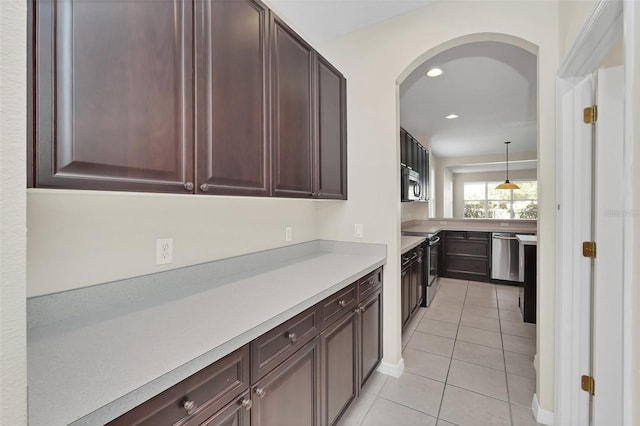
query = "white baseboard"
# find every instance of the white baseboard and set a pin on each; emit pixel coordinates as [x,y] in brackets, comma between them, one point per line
[542,416]
[394,370]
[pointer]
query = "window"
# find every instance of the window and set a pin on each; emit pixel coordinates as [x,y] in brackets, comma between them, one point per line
[483,200]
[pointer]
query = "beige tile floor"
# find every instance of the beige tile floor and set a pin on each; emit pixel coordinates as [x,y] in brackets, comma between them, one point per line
[468,361]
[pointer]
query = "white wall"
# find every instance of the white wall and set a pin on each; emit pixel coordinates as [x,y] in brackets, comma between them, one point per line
[632,126]
[459,179]
[414,211]
[374,61]
[13,114]
[80,238]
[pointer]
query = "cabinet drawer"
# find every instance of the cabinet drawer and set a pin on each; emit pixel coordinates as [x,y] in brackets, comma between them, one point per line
[484,236]
[276,345]
[333,307]
[468,265]
[456,235]
[210,389]
[469,247]
[370,283]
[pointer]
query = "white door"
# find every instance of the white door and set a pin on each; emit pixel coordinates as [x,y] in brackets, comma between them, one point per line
[609,238]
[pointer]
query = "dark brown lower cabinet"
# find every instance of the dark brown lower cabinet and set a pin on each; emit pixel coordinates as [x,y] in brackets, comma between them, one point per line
[370,336]
[405,294]
[339,360]
[527,297]
[411,283]
[289,395]
[236,413]
[304,372]
[467,255]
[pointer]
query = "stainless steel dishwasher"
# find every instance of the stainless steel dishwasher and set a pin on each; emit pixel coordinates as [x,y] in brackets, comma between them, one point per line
[505,250]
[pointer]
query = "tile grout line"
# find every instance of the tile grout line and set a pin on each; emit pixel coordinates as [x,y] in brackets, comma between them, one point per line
[504,360]
[446,379]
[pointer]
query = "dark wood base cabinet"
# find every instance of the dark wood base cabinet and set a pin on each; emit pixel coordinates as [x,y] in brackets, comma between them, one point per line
[527,298]
[304,372]
[467,255]
[412,283]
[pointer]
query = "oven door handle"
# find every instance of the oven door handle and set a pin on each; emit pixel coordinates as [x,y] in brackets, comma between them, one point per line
[436,240]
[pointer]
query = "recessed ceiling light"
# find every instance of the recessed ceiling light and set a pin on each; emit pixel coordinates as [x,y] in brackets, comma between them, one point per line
[434,72]
[451,116]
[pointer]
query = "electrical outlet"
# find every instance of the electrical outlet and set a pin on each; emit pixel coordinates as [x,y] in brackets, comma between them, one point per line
[443,222]
[359,231]
[288,233]
[504,223]
[164,251]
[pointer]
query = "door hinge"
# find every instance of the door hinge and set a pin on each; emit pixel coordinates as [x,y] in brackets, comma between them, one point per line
[589,249]
[588,384]
[591,114]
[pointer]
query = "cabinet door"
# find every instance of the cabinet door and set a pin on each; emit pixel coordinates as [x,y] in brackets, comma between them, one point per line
[113,88]
[236,413]
[290,394]
[332,132]
[370,336]
[417,281]
[405,294]
[292,83]
[232,135]
[416,278]
[339,361]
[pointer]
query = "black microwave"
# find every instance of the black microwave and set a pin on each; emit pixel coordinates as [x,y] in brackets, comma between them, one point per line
[410,185]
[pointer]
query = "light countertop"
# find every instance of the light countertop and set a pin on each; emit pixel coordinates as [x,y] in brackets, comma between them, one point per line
[96,353]
[531,240]
[407,243]
[435,226]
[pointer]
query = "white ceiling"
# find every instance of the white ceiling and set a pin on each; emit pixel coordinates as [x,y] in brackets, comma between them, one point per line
[323,20]
[491,86]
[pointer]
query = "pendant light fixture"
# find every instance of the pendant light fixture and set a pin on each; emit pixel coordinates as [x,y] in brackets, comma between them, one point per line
[507,184]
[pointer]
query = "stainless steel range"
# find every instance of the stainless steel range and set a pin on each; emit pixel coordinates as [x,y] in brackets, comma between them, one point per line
[431,280]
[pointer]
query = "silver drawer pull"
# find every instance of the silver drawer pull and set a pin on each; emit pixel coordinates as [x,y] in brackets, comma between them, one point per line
[260,392]
[342,303]
[190,406]
[293,337]
[247,404]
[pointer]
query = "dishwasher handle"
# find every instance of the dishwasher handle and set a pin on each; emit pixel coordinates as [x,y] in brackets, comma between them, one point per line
[497,237]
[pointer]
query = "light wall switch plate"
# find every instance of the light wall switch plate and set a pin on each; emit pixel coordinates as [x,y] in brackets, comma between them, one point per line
[288,233]
[359,231]
[164,251]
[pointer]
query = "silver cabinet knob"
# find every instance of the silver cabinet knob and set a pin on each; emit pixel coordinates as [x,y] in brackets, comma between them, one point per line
[260,392]
[342,303]
[362,309]
[204,187]
[188,186]
[293,337]
[247,404]
[357,311]
[190,406]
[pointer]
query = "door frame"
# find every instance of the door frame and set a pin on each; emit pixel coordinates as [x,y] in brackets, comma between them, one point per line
[607,22]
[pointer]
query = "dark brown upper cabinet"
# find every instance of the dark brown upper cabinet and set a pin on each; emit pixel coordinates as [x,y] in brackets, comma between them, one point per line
[292,81]
[332,132]
[113,95]
[232,124]
[208,97]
